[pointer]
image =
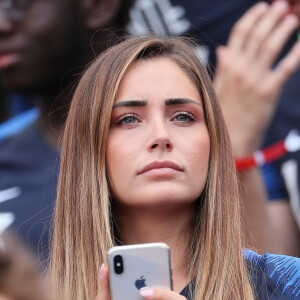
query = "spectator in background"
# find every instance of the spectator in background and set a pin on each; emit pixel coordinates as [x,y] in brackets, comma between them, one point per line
[44,45]
[211,23]
[249,89]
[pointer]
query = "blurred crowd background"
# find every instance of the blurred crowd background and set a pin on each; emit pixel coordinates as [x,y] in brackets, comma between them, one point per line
[45,46]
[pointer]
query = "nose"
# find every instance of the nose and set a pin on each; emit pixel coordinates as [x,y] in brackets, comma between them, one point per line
[160,139]
[5,25]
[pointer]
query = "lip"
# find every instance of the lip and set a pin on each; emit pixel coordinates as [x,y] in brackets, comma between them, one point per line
[163,165]
[8,59]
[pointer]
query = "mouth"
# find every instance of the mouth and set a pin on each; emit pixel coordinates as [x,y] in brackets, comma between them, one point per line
[8,59]
[161,168]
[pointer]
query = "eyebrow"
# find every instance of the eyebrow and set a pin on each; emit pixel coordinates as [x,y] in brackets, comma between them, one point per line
[126,103]
[174,101]
[171,101]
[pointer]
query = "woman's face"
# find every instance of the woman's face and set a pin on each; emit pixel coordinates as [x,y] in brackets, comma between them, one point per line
[158,145]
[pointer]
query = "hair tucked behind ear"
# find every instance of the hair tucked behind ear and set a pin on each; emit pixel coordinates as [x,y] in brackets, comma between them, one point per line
[83,230]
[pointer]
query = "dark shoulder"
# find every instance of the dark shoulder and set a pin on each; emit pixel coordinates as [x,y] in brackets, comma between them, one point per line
[274,276]
[27,145]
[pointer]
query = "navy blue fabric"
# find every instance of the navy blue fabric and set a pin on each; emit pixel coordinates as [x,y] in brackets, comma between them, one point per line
[212,20]
[18,104]
[273,277]
[274,182]
[29,166]
[18,123]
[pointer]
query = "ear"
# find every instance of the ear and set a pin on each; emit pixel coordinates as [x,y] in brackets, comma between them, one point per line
[99,13]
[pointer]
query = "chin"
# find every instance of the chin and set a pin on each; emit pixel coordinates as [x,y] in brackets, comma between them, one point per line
[165,197]
[17,83]
[20,79]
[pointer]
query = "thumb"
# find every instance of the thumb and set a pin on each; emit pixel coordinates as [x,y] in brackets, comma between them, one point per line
[221,52]
[221,68]
[103,284]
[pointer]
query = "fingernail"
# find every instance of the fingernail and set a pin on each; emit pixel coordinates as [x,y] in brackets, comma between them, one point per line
[148,293]
[292,20]
[281,5]
[262,6]
[102,271]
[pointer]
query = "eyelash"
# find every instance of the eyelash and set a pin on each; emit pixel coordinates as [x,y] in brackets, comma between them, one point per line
[190,116]
[124,117]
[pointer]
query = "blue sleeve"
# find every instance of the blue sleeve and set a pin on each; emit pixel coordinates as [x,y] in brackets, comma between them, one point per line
[281,270]
[18,123]
[274,182]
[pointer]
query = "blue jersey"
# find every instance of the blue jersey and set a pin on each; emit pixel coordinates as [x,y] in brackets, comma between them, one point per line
[273,277]
[28,178]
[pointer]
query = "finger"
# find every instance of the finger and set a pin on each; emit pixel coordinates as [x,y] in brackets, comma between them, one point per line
[160,294]
[103,284]
[286,67]
[222,61]
[223,76]
[271,48]
[266,25]
[243,26]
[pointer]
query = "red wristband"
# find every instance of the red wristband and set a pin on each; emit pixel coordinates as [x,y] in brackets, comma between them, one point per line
[271,153]
[262,157]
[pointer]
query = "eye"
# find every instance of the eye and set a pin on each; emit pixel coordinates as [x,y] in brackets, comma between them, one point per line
[127,119]
[183,117]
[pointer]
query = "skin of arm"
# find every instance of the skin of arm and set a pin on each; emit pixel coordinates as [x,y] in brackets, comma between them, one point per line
[283,223]
[248,88]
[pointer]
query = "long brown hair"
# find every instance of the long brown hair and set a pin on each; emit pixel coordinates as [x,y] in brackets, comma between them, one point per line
[83,230]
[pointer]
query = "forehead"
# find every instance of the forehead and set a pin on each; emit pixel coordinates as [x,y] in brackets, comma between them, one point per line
[157,78]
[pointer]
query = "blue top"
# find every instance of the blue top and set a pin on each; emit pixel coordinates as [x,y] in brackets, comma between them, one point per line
[28,177]
[273,276]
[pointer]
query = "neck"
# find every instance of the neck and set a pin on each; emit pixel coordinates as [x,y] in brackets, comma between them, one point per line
[156,225]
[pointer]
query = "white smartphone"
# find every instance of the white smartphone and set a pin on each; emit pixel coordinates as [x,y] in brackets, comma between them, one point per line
[133,267]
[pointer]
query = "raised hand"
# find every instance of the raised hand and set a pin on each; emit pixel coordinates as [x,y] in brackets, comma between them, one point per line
[246,83]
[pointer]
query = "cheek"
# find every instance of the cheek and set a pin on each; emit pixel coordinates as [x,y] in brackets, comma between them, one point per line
[195,145]
[121,153]
[196,151]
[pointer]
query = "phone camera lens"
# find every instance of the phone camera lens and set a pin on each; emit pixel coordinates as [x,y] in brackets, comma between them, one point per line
[118,264]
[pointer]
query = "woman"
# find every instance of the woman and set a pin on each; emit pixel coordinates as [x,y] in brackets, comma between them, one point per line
[146,158]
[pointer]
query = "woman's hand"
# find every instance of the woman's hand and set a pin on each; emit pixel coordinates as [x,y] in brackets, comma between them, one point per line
[160,294]
[295,6]
[147,293]
[103,284]
[246,83]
